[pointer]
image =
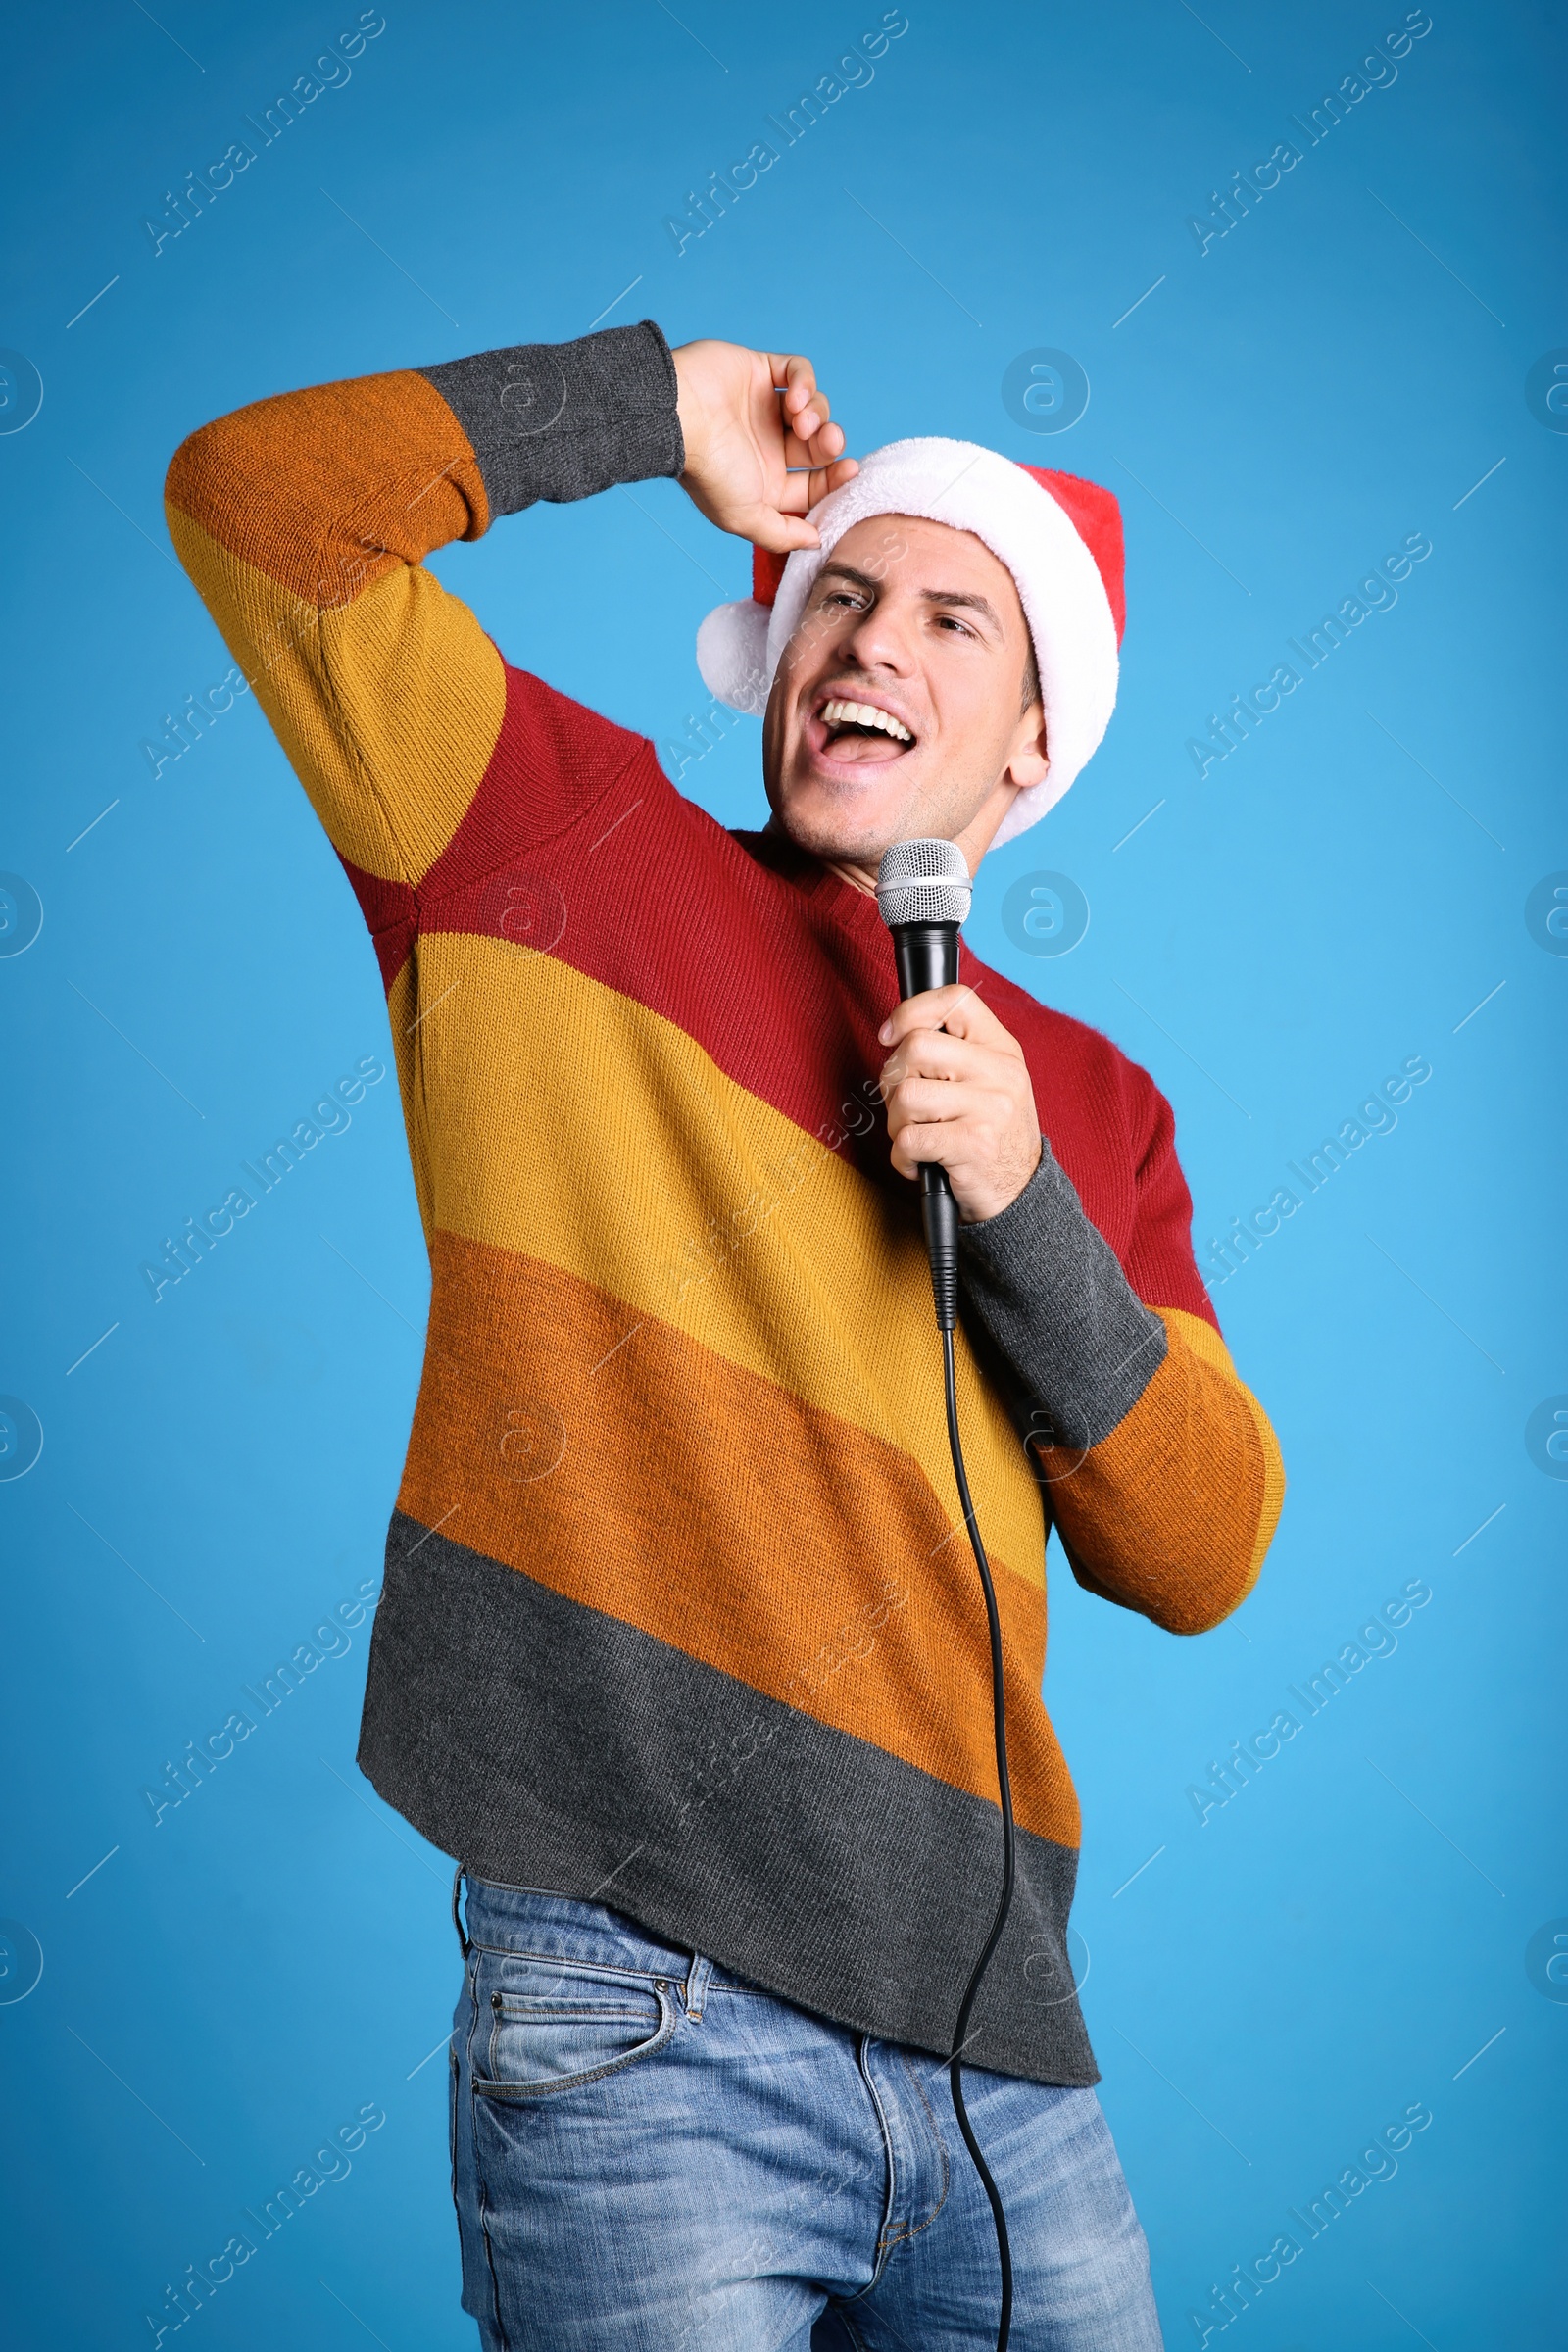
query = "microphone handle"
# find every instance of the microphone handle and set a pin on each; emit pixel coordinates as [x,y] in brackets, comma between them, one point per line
[927,956]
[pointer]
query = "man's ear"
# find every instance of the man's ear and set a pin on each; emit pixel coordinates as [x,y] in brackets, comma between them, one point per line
[1028,760]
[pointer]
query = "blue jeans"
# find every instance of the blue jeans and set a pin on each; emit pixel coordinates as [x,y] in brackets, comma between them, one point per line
[651,2155]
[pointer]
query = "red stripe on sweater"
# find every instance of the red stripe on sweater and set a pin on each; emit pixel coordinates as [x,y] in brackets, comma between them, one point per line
[577,844]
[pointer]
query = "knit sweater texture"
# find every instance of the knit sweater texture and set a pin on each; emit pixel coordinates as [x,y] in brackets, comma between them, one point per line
[678,1612]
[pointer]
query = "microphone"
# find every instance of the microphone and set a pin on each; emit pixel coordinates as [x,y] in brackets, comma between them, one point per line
[924,892]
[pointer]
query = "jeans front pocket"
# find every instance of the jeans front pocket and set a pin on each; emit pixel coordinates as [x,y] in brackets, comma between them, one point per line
[554,2025]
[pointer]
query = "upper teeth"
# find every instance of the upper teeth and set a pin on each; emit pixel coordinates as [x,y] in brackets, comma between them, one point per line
[865,715]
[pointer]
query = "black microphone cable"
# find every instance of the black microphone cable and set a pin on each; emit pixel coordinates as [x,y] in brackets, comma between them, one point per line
[944,1278]
[923,892]
[960,2031]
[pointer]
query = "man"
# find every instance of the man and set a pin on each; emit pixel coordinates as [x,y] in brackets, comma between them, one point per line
[676,1654]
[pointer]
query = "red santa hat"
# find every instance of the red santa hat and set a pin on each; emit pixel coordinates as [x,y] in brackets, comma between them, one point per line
[1059,537]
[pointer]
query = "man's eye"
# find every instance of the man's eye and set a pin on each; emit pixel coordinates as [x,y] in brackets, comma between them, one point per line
[949,620]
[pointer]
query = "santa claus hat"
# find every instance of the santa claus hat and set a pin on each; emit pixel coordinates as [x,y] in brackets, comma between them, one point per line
[1059,537]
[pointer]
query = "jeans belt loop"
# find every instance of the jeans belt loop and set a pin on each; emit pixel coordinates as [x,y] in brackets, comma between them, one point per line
[696,1977]
[456,1915]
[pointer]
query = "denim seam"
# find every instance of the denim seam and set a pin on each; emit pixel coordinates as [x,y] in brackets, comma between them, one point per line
[862,2041]
[452,2126]
[941,2146]
[599,1968]
[478,2170]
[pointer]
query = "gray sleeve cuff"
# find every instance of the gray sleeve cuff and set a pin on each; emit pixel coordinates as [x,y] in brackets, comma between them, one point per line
[1056,1303]
[561,421]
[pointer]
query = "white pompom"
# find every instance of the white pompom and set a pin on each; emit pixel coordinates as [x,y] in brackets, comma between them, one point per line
[732,655]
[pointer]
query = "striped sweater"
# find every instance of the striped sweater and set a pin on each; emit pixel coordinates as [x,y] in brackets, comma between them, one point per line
[674,1617]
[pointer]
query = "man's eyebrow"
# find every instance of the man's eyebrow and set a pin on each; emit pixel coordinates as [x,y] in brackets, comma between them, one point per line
[959,596]
[847,571]
[931,595]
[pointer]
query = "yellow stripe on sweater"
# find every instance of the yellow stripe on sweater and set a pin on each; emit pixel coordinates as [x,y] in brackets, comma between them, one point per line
[388,707]
[687,1197]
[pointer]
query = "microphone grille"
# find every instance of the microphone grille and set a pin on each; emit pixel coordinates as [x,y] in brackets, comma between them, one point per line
[923,881]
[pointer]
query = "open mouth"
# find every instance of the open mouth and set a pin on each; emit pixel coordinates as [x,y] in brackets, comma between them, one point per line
[855,734]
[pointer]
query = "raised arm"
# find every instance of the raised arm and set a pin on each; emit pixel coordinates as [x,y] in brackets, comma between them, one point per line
[304,521]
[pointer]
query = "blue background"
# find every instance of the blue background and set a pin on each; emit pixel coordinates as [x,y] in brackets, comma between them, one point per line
[1280,1981]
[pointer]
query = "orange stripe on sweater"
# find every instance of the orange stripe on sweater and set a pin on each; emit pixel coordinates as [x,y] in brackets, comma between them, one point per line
[619,1462]
[1146,1519]
[327,490]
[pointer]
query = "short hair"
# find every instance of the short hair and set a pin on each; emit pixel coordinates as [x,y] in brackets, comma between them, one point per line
[1031,677]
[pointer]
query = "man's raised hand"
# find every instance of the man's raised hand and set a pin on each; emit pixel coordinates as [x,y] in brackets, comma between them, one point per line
[759,449]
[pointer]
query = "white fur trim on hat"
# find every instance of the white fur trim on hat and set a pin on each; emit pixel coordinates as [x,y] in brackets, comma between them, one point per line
[1059,584]
[732,655]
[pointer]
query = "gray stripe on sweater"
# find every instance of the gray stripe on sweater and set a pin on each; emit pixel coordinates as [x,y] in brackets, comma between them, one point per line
[561,420]
[546,1743]
[1054,1301]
